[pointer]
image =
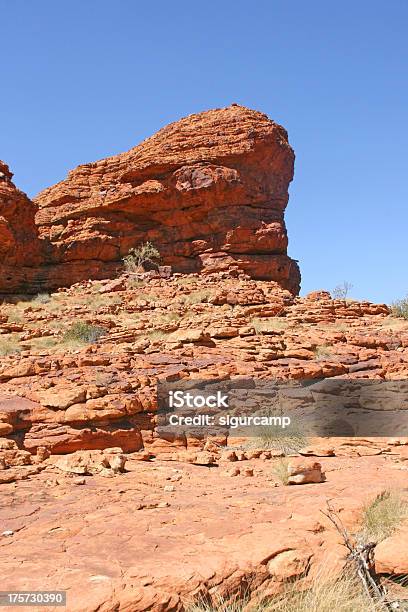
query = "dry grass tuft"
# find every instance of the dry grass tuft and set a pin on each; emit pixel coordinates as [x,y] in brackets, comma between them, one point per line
[342,594]
[135,283]
[280,469]
[196,297]
[157,335]
[269,325]
[147,297]
[220,604]
[382,516]
[96,301]
[9,345]
[270,437]
[43,343]
[323,352]
[326,594]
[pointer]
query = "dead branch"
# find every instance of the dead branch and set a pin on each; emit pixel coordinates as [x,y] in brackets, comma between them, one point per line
[361,556]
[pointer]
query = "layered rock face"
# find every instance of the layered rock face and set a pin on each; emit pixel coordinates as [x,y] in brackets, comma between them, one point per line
[74,396]
[20,247]
[209,191]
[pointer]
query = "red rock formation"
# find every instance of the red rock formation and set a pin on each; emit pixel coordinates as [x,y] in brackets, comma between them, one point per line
[19,243]
[209,191]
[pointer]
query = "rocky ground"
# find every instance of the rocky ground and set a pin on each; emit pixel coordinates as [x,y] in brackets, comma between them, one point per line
[95,501]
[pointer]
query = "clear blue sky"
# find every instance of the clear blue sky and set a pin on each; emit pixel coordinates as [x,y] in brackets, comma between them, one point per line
[81,80]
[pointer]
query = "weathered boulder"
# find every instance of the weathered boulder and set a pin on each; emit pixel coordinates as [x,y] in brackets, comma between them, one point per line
[11,455]
[391,555]
[304,471]
[106,463]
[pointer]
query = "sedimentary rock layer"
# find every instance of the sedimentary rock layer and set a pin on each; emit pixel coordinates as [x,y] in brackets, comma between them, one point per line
[20,247]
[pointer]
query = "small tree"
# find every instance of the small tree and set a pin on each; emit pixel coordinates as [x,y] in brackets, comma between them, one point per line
[341,291]
[400,308]
[135,260]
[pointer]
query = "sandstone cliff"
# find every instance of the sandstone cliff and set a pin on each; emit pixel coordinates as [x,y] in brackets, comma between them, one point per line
[209,191]
[20,247]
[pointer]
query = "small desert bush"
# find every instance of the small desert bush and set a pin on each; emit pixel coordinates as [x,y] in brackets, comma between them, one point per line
[83,333]
[400,308]
[42,298]
[137,258]
[9,346]
[55,304]
[16,312]
[270,437]
[382,516]
[271,324]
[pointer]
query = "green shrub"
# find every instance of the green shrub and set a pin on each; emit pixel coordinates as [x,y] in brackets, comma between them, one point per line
[137,258]
[83,333]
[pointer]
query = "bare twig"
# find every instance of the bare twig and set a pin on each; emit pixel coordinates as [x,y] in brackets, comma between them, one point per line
[361,556]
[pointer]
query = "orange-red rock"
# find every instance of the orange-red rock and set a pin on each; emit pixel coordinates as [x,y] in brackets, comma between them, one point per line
[20,247]
[209,191]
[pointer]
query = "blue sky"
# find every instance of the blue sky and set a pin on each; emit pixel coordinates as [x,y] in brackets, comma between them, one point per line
[83,80]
